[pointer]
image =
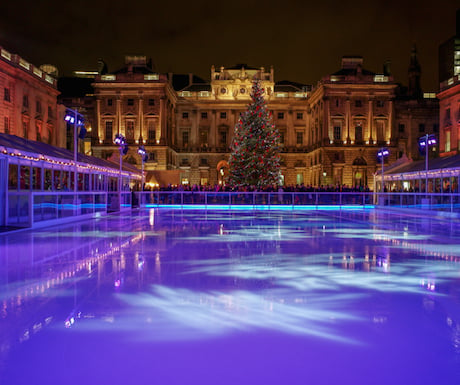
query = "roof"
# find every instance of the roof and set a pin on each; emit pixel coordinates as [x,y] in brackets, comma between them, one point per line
[13,142]
[197,87]
[288,86]
[181,81]
[75,87]
[448,162]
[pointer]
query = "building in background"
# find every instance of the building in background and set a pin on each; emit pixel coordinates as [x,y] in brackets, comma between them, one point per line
[206,115]
[28,101]
[449,55]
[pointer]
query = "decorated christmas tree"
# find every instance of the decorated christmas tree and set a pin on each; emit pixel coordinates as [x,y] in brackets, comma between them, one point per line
[255,160]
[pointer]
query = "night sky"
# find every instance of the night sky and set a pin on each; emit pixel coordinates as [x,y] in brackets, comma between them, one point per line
[304,40]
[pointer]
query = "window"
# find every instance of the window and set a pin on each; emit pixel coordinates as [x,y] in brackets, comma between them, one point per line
[109,130]
[280,115]
[358,103]
[185,115]
[223,115]
[130,130]
[359,133]
[109,102]
[25,101]
[38,107]
[401,127]
[421,127]
[299,137]
[130,102]
[185,138]
[6,95]
[6,125]
[50,112]
[151,102]
[447,146]
[151,132]
[25,129]
[337,102]
[299,115]
[380,103]
[204,115]
[203,137]
[337,133]
[223,138]
[282,134]
[435,127]
[152,156]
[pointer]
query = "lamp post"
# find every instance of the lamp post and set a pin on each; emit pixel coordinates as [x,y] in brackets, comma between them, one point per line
[141,151]
[76,119]
[424,143]
[383,152]
[120,141]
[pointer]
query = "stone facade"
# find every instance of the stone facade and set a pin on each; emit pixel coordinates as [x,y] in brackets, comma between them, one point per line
[330,134]
[449,117]
[28,101]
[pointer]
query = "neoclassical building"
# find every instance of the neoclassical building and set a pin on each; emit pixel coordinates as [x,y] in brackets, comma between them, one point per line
[330,134]
[28,101]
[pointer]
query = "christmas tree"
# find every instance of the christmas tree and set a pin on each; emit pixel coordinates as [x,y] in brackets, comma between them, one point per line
[255,160]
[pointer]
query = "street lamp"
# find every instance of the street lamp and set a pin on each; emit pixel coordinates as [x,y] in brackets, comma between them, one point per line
[75,118]
[120,141]
[141,151]
[383,152]
[424,143]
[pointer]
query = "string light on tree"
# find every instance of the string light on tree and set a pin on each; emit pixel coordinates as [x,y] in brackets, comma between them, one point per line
[255,159]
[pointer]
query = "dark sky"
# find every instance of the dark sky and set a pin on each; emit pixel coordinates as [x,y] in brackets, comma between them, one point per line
[304,40]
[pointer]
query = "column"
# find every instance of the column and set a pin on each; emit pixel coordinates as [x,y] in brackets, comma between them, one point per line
[347,119]
[370,118]
[118,117]
[140,119]
[100,131]
[390,122]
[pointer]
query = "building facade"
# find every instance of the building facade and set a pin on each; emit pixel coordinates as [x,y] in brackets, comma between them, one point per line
[449,117]
[330,134]
[28,101]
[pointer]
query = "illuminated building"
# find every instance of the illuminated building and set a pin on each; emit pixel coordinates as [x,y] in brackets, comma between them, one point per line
[330,135]
[206,114]
[28,101]
[138,103]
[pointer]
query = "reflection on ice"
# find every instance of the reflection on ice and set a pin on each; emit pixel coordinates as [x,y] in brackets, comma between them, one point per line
[201,315]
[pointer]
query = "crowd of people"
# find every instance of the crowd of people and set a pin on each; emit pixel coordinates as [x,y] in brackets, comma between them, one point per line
[291,188]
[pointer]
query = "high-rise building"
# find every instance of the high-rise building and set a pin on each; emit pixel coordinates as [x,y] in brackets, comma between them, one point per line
[449,55]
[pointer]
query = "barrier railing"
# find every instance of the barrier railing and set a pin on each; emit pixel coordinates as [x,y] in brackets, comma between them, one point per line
[255,200]
[27,209]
